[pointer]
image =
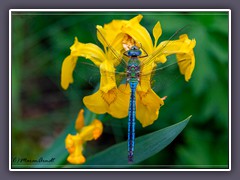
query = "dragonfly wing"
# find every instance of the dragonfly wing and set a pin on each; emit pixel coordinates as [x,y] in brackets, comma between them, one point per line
[164,76]
[161,50]
[89,74]
[86,73]
[117,56]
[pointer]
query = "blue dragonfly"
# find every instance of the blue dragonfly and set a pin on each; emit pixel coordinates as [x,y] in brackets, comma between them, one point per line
[133,76]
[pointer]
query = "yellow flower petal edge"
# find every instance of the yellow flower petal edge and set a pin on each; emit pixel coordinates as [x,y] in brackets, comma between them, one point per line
[148,105]
[183,48]
[186,63]
[182,45]
[109,98]
[92,131]
[107,80]
[114,102]
[74,146]
[114,35]
[139,34]
[186,60]
[68,66]
[74,143]
[80,120]
[89,51]
[111,30]
[157,32]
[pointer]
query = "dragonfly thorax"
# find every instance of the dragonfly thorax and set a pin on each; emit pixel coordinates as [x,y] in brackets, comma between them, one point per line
[133,70]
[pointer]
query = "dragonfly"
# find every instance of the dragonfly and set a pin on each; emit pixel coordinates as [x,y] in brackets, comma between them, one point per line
[133,76]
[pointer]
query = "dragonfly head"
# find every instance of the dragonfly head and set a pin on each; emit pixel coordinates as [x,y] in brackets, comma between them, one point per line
[134,51]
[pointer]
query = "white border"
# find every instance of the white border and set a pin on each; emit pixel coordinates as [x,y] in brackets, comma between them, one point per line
[117,10]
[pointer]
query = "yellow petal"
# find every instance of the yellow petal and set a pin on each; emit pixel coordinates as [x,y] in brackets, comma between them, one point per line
[148,105]
[69,143]
[102,36]
[119,108]
[108,99]
[77,158]
[74,146]
[186,60]
[183,45]
[96,103]
[183,48]
[136,19]
[157,32]
[99,102]
[114,102]
[145,77]
[107,81]
[115,52]
[160,59]
[68,66]
[186,64]
[80,120]
[92,131]
[98,129]
[112,36]
[89,51]
[109,31]
[139,33]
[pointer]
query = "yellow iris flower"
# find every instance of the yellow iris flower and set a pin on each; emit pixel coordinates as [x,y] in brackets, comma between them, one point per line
[74,143]
[120,34]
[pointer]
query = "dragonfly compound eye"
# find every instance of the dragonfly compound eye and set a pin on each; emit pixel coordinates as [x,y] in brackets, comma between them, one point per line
[134,52]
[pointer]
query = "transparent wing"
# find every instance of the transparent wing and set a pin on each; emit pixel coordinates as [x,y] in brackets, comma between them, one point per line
[89,74]
[165,76]
[118,56]
[147,61]
[162,76]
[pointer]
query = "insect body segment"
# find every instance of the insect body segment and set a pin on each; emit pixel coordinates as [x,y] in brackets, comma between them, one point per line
[131,121]
[133,70]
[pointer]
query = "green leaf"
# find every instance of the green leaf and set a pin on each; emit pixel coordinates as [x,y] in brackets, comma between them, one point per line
[145,147]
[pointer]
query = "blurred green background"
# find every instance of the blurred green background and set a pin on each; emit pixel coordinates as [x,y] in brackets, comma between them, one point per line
[41,109]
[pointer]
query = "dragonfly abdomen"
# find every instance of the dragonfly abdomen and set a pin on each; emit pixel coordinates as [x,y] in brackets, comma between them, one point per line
[131,120]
